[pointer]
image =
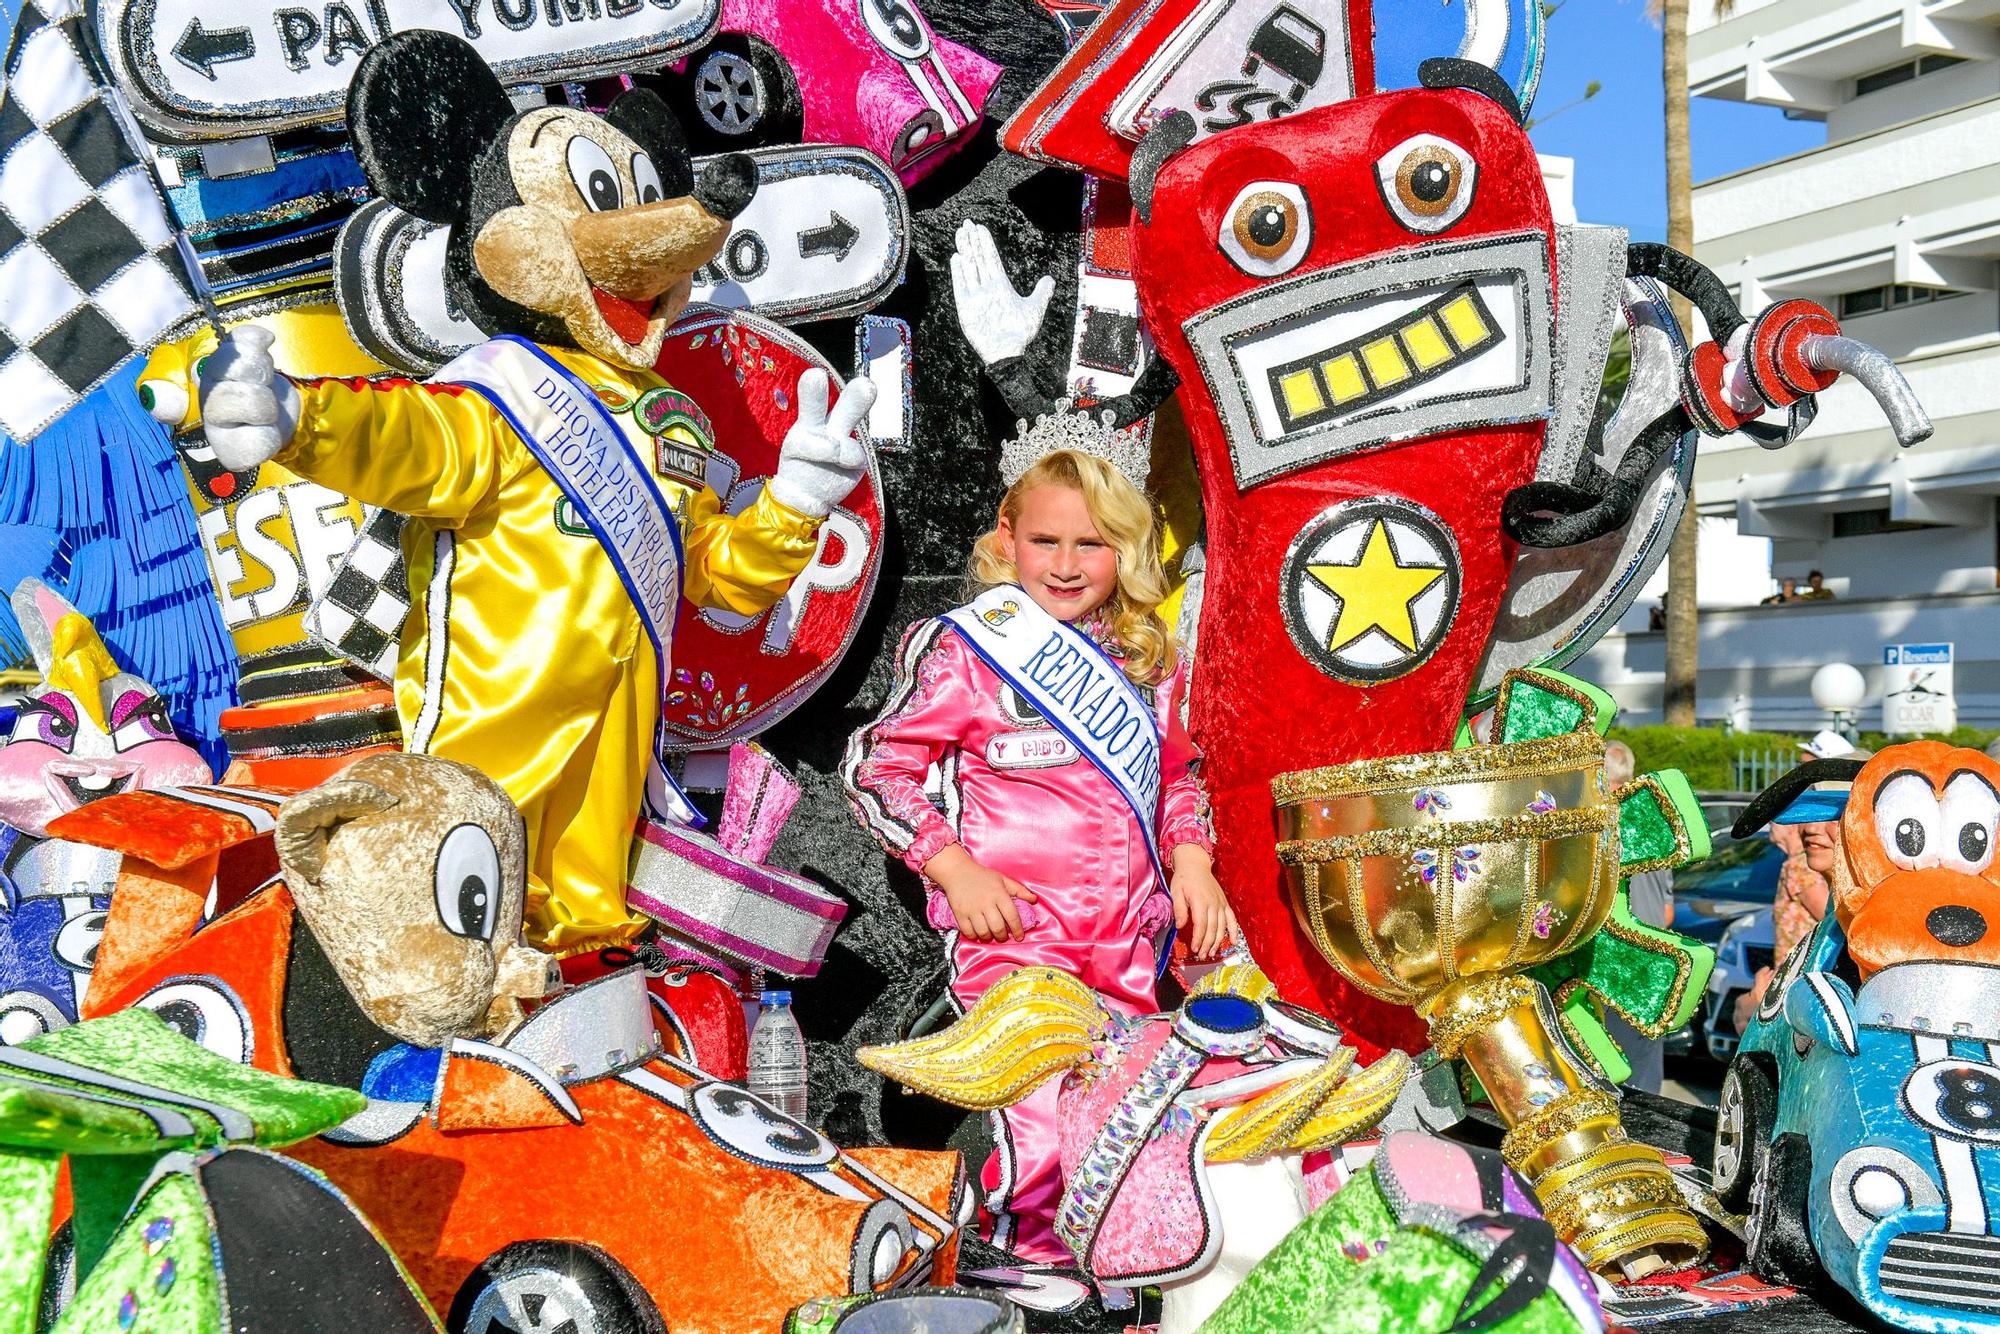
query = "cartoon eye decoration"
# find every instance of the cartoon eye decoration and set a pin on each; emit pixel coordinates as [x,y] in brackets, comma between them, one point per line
[1267,228]
[205,1012]
[75,946]
[144,718]
[468,882]
[1970,810]
[1427,182]
[1909,823]
[49,719]
[647,177]
[594,174]
[165,401]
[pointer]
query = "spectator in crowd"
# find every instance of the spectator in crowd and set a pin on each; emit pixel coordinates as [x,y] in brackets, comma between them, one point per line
[1788,591]
[1828,744]
[1815,589]
[1652,901]
[1656,619]
[1809,829]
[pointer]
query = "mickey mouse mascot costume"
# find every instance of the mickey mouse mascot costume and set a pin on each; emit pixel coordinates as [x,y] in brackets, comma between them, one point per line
[555,479]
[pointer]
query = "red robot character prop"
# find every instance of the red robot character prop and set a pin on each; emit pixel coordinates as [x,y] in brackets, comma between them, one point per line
[1359,302]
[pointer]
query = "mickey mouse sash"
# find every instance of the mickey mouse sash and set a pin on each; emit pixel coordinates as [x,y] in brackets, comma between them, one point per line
[578,443]
[1076,686]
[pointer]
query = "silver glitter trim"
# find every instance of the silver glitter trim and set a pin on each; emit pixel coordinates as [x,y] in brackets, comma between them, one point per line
[1590,277]
[54,868]
[732,912]
[1219,334]
[1559,603]
[590,1031]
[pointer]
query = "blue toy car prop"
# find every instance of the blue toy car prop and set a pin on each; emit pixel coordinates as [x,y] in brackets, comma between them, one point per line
[1861,1133]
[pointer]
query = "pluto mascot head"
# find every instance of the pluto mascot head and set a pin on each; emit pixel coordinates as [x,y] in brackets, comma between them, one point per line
[411,871]
[1915,879]
[567,228]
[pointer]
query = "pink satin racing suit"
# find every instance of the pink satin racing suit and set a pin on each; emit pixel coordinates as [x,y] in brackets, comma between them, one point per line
[1027,803]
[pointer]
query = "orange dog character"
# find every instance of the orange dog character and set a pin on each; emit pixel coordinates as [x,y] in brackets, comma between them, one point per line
[1916,878]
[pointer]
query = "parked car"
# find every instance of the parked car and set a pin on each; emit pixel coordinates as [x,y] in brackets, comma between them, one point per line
[870,73]
[1748,944]
[577,1168]
[1873,1117]
[1733,883]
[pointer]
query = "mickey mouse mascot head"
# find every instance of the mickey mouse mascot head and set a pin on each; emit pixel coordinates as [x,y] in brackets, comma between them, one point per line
[560,512]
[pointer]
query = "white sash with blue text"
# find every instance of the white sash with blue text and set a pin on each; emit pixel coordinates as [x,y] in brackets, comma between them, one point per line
[569,430]
[1076,686]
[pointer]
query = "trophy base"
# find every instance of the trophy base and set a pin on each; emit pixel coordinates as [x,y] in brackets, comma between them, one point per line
[1605,1194]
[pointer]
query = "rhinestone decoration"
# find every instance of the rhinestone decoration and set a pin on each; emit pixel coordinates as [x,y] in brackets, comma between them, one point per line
[1128,451]
[128,1309]
[163,1280]
[158,1233]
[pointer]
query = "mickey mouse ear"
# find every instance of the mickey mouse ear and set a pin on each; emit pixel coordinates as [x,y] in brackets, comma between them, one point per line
[421,109]
[1769,803]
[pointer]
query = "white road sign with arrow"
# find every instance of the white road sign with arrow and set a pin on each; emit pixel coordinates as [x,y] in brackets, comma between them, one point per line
[826,235]
[224,68]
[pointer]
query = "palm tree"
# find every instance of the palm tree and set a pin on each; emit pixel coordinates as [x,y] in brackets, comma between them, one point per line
[1683,647]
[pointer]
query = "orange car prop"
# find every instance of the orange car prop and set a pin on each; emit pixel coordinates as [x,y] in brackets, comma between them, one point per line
[1916,880]
[630,1189]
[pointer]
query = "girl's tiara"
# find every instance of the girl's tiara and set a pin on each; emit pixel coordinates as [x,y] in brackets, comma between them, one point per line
[1067,427]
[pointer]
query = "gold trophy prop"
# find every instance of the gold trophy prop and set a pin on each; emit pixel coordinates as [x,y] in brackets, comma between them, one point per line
[1435,881]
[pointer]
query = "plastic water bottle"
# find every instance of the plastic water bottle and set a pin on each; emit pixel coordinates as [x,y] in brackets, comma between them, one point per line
[778,1056]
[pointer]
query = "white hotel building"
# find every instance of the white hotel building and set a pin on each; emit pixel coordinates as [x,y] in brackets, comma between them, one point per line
[1894,225]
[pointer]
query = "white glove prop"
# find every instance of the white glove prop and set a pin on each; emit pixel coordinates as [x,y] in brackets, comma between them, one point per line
[997,320]
[821,459]
[248,410]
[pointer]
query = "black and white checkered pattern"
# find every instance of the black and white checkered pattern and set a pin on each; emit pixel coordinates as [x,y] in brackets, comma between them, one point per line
[361,614]
[92,272]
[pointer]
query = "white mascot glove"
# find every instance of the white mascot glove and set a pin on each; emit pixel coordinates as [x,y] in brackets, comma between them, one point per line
[998,321]
[248,410]
[821,460]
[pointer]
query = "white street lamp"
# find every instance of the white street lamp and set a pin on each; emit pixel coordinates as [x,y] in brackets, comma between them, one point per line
[1839,689]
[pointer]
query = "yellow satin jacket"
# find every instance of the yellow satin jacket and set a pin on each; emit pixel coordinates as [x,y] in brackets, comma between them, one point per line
[524,656]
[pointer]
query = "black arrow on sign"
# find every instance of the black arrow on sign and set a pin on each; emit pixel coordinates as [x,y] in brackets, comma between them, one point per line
[836,239]
[201,50]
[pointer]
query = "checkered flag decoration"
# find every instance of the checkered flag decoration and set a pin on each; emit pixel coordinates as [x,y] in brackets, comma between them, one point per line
[92,272]
[361,614]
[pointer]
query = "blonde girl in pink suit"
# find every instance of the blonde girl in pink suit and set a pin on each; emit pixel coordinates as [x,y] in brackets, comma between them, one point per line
[1030,853]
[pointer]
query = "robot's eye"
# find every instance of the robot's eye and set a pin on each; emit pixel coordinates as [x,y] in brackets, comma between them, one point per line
[1427,182]
[595,175]
[1908,820]
[1267,229]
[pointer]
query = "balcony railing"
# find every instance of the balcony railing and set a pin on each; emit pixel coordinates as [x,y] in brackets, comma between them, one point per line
[1761,660]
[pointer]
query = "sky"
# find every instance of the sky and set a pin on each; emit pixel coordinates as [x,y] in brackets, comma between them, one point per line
[1617,138]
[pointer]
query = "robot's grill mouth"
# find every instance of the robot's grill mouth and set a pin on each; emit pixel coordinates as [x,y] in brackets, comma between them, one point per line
[1429,342]
[1425,341]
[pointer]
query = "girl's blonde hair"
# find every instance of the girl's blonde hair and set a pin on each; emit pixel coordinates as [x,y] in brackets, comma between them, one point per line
[1127,521]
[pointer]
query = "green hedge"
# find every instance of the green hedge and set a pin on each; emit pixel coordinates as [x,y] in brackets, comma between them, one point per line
[1972,738]
[1706,754]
